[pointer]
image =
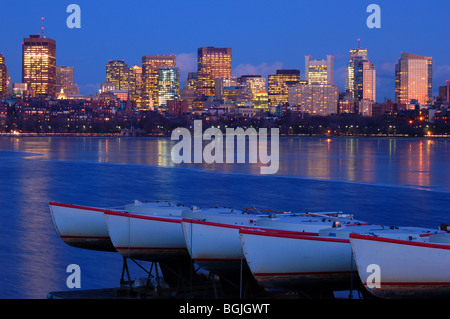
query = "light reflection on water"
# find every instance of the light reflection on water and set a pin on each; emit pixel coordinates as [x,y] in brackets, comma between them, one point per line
[315,174]
[398,162]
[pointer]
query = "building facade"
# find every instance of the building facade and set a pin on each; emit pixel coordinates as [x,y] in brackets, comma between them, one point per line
[319,71]
[118,72]
[65,80]
[279,84]
[413,79]
[3,77]
[39,64]
[150,75]
[168,84]
[212,63]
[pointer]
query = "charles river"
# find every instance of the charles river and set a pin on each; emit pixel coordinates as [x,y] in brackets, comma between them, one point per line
[390,181]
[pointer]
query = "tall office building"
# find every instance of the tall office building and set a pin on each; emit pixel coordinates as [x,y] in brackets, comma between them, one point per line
[150,75]
[364,81]
[212,63]
[279,84]
[319,71]
[413,79]
[168,84]
[64,80]
[135,80]
[3,76]
[39,64]
[188,92]
[117,72]
[357,54]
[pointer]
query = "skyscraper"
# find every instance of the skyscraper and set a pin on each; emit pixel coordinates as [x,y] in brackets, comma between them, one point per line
[168,84]
[212,63]
[413,79]
[150,74]
[135,80]
[3,76]
[357,54]
[279,84]
[364,81]
[360,80]
[117,72]
[319,71]
[64,80]
[39,64]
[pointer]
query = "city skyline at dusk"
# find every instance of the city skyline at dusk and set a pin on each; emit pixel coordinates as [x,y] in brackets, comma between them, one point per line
[264,36]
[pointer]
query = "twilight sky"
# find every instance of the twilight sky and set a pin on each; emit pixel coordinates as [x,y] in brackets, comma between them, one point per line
[264,35]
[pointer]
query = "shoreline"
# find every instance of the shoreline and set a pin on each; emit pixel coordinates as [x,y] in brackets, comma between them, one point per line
[16,134]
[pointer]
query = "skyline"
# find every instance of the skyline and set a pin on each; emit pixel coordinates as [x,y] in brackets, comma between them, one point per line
[114,31]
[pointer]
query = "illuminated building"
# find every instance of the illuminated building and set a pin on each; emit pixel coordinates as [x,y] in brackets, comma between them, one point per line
[3,76]
[364,82]
[319,71]
[117,72]
[39,64]
[168,84]
[135,80]
[212,63]
[150,74]
[318,99]
[64,80]
[107,86]
[261,101]
[279,84]
[221,83]
[188,92]
[413,79]
[255,83]
[357,54]
[239,95]
[444,92]
[19,89]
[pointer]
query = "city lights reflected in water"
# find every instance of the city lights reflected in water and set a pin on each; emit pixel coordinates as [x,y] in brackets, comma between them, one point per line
[389,161]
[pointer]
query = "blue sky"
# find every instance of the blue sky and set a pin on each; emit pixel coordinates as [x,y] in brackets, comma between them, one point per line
[264,35]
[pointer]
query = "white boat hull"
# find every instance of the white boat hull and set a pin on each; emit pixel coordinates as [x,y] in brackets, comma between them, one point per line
[407,269]
[145,237]
[292,260]
[213,246]
[81,226]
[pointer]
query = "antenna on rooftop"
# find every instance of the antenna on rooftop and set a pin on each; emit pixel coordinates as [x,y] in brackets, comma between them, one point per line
[358,41]
[42,26]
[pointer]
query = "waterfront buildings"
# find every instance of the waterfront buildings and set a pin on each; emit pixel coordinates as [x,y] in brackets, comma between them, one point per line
[65,80]
[319,71]
[168,84]
[117,72]
[255,84]
[413,79]
[212,63]
[279,84]
[39,64]
[358,54]
[150,76]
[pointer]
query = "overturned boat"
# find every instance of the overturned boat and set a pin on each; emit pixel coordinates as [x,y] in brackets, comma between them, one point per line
[399,265]
[295,261]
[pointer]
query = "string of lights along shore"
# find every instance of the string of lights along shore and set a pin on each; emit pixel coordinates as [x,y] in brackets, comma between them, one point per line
[155,84]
